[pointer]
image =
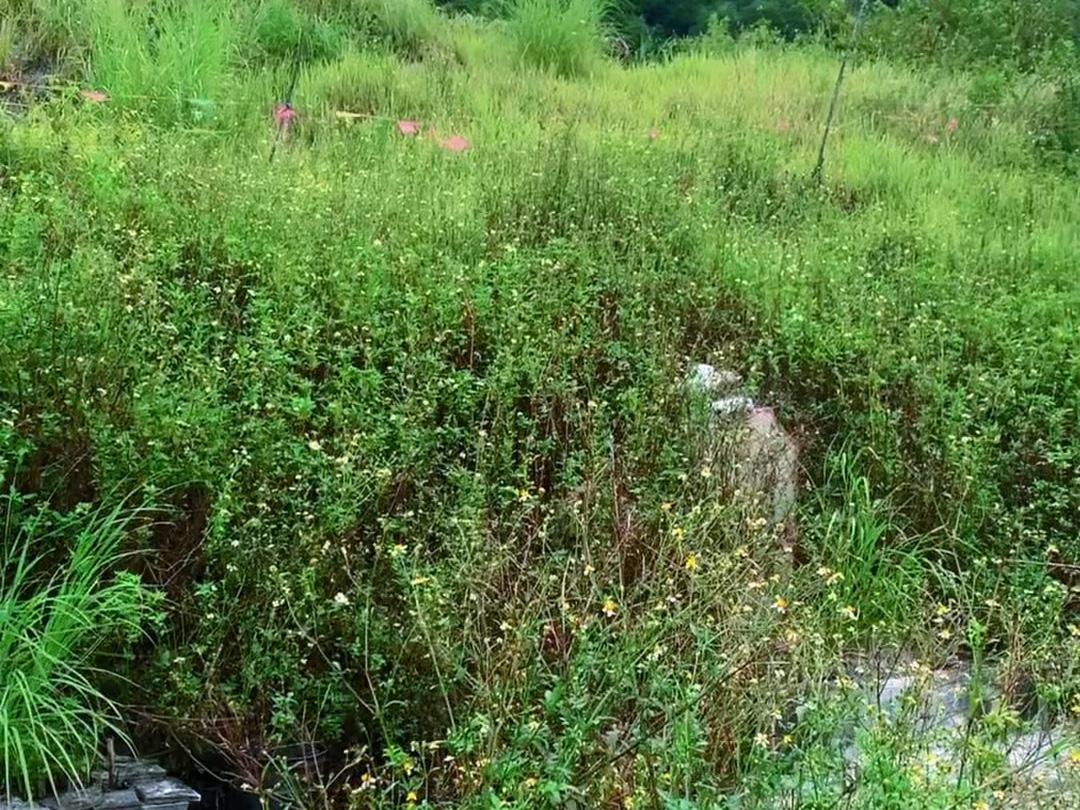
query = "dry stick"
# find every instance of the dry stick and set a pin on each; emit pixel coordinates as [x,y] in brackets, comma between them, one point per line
[110,754]
[819,168]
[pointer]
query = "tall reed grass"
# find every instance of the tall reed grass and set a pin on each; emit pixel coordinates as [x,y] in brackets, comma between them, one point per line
[63,602]
[563,36]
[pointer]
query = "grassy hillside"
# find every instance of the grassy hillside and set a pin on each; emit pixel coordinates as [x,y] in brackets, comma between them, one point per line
[411,402]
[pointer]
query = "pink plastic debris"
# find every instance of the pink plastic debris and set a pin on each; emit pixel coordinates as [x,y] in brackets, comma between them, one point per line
[284,114]
[654,134]
[408,127]
[455,143]
[953,125]
[96,96]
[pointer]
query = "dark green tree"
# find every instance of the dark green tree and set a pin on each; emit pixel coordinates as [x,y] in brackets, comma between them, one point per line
[677,17]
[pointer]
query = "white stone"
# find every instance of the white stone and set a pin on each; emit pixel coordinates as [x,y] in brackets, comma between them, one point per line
[730,406]
[709,379]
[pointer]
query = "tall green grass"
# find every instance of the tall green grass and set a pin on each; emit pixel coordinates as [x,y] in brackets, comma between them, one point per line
[563,36]
[63,602]
[161,61]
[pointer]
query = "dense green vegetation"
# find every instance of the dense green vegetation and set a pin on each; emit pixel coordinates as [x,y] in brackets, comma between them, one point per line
[394,391]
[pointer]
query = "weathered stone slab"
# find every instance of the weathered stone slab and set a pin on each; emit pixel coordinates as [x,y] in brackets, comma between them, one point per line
[118,800]
[16,803]
[166,791]
[746,441]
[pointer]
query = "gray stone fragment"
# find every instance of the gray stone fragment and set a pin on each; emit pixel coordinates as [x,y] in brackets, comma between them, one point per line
[84,798]
[166,791]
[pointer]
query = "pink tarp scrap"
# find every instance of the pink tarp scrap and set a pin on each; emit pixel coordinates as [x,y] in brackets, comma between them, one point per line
[284,114]
[455,143]
[408,127]
[96,96]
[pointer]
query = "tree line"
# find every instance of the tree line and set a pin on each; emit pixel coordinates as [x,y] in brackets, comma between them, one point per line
[1017,34]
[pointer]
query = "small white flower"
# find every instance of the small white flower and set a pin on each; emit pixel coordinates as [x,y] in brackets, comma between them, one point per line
[341,599]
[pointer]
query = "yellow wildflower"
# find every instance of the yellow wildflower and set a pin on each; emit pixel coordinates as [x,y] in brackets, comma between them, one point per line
[411,797]
[611,607]
[691,561]
[781,604]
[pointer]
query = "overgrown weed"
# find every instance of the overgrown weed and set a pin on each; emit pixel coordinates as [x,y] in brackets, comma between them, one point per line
[447,509]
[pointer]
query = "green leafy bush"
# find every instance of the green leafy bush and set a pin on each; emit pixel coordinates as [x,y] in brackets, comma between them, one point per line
[974,34]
